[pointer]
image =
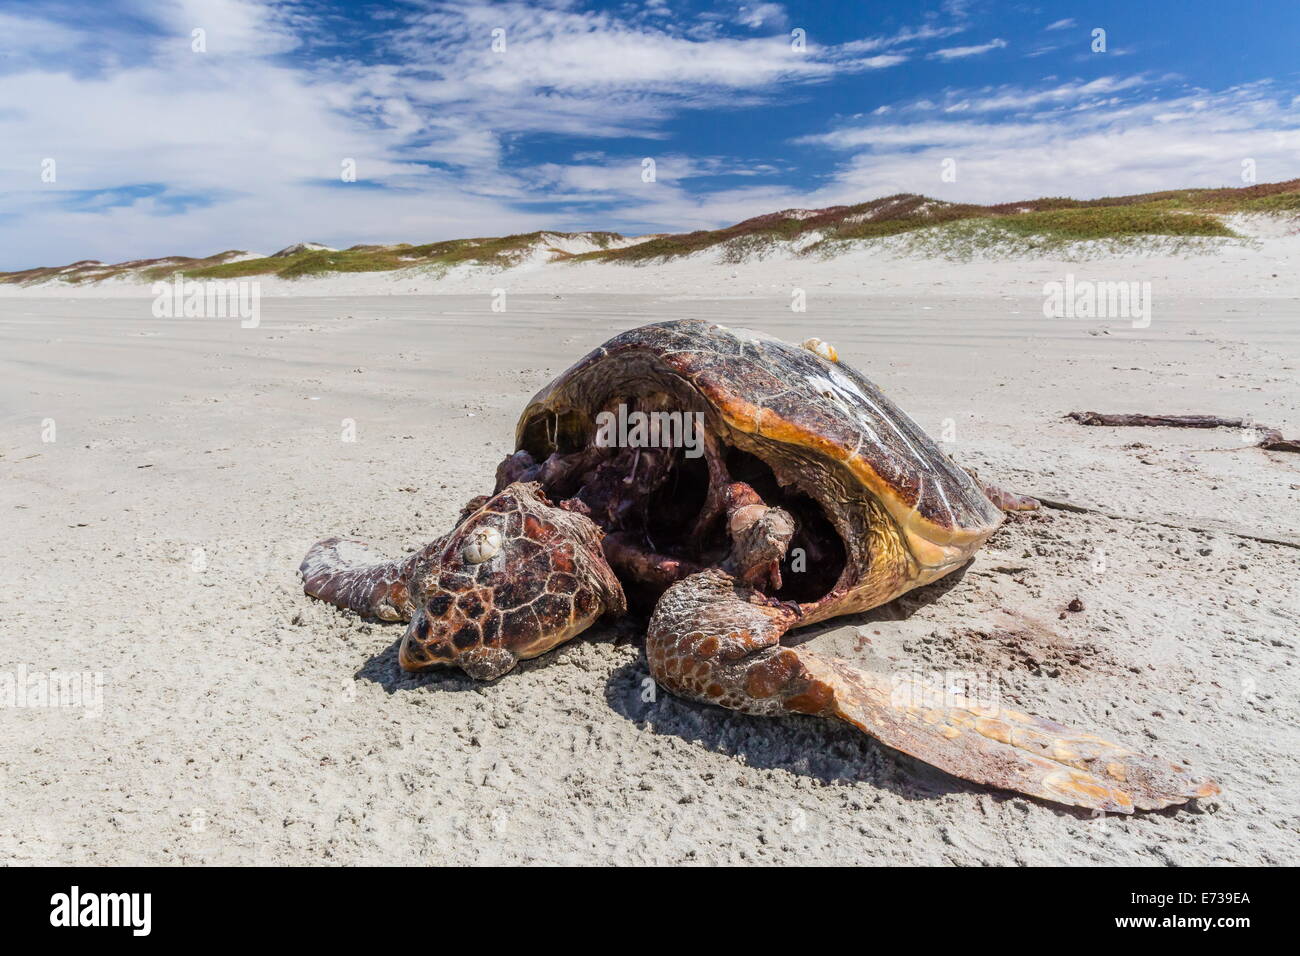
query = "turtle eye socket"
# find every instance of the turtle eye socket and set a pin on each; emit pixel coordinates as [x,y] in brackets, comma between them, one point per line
[482,544]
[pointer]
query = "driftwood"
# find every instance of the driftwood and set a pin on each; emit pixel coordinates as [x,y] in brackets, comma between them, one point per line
[1270,438]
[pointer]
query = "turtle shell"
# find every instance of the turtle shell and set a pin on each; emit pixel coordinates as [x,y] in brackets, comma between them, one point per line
[819,423]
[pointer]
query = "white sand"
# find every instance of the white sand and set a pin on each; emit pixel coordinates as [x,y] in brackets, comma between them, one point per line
[156,542]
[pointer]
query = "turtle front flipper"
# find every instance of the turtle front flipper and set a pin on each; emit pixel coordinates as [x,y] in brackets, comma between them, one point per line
[355,576]
[714,640]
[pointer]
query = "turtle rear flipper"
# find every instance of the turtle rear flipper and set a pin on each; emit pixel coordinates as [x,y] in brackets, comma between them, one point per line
[1001,747]
[1004,500]
[714,640]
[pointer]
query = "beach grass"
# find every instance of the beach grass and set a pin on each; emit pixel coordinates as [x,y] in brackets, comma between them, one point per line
[1036,223]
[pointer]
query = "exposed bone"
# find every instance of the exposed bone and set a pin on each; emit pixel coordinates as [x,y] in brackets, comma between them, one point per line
[760,537]
[631,560]
[612,497]
[715,501]
[560,474]
[482,545]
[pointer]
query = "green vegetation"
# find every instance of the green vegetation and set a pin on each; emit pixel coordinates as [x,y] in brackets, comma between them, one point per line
[497,251]
[932,225]
[1104,222]
[1181,213]
[974,238]
[144,270]
[500,252]
[1274,203]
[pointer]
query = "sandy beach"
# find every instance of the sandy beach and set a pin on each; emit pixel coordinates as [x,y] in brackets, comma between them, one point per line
[154,542]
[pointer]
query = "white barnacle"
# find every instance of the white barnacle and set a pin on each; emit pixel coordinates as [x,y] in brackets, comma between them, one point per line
[824,349]
[483,543]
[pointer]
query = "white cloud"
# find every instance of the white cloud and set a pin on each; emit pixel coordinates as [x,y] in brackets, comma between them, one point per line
[1083,140]
[236,27]
[958,52]
[1019,98]
[1077,143]
[755,15]
[28,39]
[928,31]
[1073,94]
[1061,24]
[881,61]
[251,143]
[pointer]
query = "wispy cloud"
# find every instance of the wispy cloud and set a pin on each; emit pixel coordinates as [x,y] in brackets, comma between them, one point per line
[958,52]
[906,35]
[1015,99]
[491,118]
[756,15]
[432,118]
[1075,138]
[1061,24]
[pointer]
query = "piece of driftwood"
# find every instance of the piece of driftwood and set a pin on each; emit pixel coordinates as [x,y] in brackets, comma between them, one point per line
[1270,438]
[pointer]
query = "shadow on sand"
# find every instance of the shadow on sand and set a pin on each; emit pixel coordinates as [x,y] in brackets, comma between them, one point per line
[828,751]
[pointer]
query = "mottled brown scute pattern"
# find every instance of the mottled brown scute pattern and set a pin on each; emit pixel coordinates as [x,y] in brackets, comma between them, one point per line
[547,583]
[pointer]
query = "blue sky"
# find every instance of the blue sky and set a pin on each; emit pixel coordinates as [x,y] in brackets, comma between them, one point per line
[159,148]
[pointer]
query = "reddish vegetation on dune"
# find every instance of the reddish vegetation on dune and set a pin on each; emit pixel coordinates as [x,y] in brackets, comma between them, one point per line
[1184,212]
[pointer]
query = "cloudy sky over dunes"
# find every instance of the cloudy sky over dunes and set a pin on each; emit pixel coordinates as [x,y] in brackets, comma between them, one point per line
[191,126]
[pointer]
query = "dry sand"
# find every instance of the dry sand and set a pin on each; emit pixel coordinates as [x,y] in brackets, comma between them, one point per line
[156,542]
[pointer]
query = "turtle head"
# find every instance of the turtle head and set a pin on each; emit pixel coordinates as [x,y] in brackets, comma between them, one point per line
[515,578]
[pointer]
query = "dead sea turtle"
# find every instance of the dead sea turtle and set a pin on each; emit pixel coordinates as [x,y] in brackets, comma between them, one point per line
[740,487]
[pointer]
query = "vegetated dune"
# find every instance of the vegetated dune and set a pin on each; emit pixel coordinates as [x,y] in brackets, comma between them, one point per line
[905,225]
